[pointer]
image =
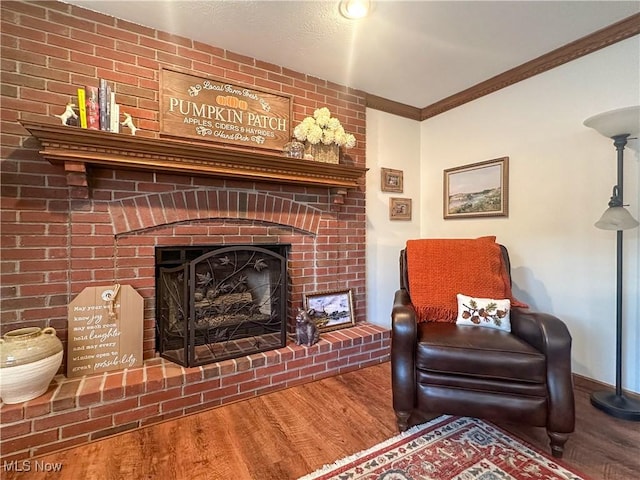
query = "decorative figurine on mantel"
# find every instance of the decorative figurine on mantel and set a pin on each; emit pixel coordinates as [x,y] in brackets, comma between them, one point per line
[307,332]
[67,114]
[128,122]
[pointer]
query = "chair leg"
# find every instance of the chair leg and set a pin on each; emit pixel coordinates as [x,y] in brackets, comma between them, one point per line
[557,443]
[402,418]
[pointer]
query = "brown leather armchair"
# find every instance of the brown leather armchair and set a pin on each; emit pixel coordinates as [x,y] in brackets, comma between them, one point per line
[519,377]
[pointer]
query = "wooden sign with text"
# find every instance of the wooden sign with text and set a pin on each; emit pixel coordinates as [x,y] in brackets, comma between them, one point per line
[219,111]
[105,330]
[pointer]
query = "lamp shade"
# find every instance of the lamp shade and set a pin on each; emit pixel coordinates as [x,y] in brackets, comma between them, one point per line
[616,218]
[616,122]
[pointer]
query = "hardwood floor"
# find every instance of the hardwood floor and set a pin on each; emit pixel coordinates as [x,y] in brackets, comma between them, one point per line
[290,433]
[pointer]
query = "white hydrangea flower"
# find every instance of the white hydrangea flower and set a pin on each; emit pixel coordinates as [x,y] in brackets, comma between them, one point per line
[340,136]
[314,135]
[323,122]
[309,122]
[351,141]
[327,136]
[321,112]
[300,132]
[323,128]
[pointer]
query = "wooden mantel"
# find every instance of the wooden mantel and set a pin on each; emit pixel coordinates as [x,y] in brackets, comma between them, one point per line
[76,148]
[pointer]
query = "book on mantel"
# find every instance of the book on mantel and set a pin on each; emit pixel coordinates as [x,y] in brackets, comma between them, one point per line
[104,102]
[114,113]
[82,107]
[92,107]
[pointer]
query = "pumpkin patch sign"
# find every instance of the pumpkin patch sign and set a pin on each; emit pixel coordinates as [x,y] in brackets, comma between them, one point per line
[222,112]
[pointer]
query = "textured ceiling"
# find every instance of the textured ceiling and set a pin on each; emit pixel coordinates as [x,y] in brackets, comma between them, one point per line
[411,52]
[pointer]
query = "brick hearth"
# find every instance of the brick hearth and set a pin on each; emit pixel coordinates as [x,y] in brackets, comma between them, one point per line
[77,411]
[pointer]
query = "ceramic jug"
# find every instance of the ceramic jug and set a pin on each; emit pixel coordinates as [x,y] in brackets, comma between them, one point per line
[29,359]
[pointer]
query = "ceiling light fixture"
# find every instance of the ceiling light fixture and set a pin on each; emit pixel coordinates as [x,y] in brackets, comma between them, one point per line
[354,9]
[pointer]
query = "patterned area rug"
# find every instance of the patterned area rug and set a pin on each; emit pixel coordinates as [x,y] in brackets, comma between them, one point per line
[448,448]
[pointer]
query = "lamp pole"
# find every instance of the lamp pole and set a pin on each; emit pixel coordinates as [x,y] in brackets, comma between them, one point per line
[617,125]
[619,141]
[618,405]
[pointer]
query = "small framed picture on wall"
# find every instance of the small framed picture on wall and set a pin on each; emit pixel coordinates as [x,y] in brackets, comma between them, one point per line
[391,180]
[399,209]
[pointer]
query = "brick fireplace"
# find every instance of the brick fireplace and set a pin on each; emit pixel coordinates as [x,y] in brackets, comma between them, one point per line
[112,238]
[68,225]
[124,233]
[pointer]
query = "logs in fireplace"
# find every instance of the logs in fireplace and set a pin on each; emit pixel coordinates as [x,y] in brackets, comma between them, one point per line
[220,302]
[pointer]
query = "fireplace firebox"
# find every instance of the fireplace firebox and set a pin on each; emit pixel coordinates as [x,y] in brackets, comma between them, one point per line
[218,302]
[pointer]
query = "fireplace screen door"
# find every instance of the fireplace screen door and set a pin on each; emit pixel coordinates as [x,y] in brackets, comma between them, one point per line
[226,303]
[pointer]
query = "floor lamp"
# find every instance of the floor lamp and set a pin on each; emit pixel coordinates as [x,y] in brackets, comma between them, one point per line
[617,125]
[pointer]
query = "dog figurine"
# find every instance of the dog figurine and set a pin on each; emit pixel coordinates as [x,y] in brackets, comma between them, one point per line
[307,332]
[128,122]
[67,114]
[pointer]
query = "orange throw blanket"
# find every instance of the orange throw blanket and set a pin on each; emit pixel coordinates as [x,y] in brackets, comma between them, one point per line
[439,269]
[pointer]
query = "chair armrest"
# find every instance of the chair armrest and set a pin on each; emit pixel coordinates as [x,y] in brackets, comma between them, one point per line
[549,335]
[404,339]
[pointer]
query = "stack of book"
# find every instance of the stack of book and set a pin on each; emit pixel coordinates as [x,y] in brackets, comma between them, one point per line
[98,108]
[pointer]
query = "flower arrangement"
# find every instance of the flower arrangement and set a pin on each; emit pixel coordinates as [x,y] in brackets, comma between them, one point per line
[322,127]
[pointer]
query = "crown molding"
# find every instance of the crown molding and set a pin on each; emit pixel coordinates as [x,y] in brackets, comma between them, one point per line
[602,38]
[389,106]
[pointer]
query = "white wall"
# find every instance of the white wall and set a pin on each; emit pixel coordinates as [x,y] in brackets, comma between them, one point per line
[392,142]
[561,176]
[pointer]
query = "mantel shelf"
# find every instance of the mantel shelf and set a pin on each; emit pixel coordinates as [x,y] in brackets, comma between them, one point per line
[77,147]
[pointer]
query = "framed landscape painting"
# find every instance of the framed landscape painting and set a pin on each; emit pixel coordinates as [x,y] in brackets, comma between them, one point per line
[477,190]
[332,309]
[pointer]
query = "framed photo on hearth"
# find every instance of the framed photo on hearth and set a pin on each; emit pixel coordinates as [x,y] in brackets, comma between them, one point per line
[391,180]
[332,309]
[477,190]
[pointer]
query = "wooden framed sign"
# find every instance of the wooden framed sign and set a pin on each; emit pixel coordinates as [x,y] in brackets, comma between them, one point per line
[222,112]
[105,330]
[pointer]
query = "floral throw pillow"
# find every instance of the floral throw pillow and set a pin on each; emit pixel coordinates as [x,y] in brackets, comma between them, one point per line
[484,312]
